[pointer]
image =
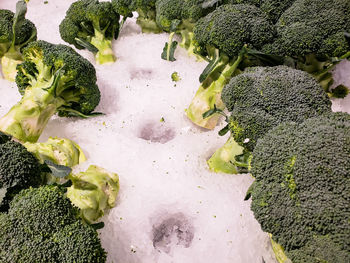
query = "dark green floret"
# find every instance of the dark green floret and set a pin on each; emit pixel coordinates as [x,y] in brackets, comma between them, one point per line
[146,10]
[43,226]
[19,169]
[261,98]
[52,79]
[92,25]
[313,35]
[15,33]
[301,192]
[229,38]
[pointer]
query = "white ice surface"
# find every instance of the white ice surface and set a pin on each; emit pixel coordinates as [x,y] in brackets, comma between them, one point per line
[162,184]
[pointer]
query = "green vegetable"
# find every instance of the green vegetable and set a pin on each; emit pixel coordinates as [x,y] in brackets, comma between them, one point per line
[313,36]
[15,33]
[52,78]
[92,25]
[146,13]
[301,190]
[43,226]
[58,150]
[261,98]
[179,17]
[19,169]
[93,191]
[228,38]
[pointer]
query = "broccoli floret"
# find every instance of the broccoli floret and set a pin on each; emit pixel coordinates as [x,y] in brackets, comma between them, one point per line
[92,25]
[52,78]
[15,33]
[146,10]
[263,97]
[229,38]
[301,191]
[43,226]
[179,17]
[311,34]
[93,191]
[19,169]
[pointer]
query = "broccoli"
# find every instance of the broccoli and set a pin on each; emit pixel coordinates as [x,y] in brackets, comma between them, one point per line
[311,34]
[146,10]
[19,169]
[92,25]
[43,226]
[52,78]
[273,8]
[259,99]
[15,33]
[179,16]
[301,189]
[93,191]
[230,38]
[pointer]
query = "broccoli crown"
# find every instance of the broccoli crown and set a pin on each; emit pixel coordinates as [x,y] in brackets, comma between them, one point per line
[273,8]
[262,97]
[19,169]
[301,192]
[126,7]
[230,27]
[312,26]
[24,31]
[171,13]
[43,226]
[89,23]
[61,71]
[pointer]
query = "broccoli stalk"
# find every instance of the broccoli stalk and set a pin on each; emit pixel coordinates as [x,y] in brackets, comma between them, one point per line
[57,150]
[214,77]
[224,159]
[103,45]
[93,191]
[27,119]
[53,78]
[23,31]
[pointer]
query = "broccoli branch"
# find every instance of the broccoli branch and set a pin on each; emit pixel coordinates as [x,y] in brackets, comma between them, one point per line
[27,119]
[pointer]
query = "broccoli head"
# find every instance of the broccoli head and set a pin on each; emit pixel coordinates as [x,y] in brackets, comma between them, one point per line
[229,38]
[263,97]
[146,10]
[301,191]
[313,35]
[19,169]
[93,191]
[15,33]
[52,79]
[92,25]
[43,226]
